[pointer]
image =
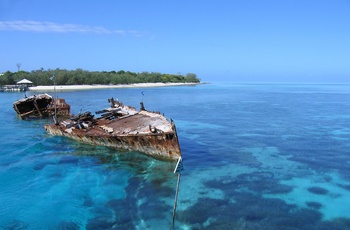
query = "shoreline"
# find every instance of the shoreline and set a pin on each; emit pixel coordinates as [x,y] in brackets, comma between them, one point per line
[87,87]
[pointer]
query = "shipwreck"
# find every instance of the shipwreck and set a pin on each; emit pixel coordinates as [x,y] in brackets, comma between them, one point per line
[123,127]
[41,105]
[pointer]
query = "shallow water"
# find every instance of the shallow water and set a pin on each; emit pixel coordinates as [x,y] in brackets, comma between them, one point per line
[255,157]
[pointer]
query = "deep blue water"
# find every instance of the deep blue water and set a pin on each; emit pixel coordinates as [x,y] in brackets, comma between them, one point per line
[255,157]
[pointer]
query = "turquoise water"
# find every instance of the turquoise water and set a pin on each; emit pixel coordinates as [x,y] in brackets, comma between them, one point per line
[255,157]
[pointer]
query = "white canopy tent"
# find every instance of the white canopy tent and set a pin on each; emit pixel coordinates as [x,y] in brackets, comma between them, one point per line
[24,81]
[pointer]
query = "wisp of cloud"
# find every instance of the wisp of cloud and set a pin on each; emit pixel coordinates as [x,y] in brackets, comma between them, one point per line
[51,27]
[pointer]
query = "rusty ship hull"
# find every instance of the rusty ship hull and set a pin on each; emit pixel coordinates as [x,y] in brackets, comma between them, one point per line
[123,127]
[39,106]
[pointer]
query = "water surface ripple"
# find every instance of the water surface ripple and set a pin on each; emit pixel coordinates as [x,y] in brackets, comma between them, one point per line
[255,157]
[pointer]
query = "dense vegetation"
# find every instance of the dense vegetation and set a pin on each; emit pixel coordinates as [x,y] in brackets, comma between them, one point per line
[83,77]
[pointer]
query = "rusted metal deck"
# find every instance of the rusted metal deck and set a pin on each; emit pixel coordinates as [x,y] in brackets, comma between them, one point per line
[123,127]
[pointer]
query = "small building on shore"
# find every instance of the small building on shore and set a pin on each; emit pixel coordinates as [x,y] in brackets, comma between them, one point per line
[21,86]
[25,82]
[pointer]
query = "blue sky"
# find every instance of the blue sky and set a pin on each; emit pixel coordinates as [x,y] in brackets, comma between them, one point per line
[227,40]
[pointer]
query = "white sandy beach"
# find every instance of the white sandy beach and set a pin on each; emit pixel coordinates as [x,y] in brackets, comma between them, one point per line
[85,87]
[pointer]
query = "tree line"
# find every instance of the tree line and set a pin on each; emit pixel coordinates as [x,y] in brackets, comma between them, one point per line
[84,77]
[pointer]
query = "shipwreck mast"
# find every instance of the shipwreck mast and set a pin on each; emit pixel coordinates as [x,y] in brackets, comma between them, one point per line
[55,99]
[177,170]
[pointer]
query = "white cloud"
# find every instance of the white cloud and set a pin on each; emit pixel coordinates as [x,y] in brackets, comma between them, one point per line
[51,27]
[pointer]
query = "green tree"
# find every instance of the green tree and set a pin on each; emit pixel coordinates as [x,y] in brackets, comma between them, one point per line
[80,76]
